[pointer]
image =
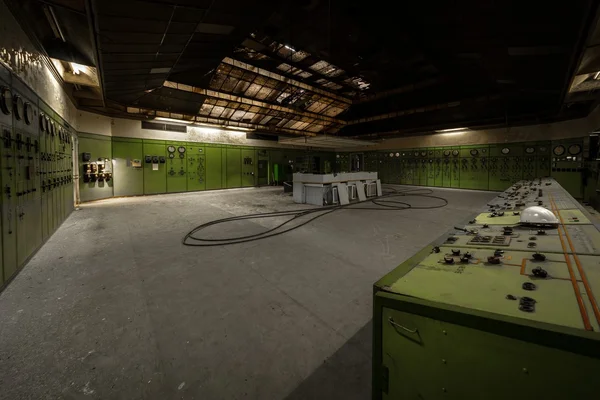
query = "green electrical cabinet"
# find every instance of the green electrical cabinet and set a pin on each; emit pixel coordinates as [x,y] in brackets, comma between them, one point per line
[155,167]
[505,166]
[568,166]
[543,162]
[474,162]
[424,166]
[214,167]
[9,199]
[248,167]
[196,167]
[176,167]
[234,167]
[438,179]
[262,167]
[128,158]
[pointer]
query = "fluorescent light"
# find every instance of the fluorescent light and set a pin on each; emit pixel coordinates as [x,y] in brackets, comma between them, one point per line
[452,130]
[239,128]
[289,47]
[596,75]
[452,133]
[77,68]
[177,121]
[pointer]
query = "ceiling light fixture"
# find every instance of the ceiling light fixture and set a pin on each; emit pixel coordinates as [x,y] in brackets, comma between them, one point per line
[289,47]
[452,130]
[177,121]
[77,68]
[596,75]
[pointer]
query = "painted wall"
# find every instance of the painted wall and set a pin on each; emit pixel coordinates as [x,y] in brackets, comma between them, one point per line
[555,131]
[25,61]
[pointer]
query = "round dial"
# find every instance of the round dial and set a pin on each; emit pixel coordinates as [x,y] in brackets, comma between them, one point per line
[430,160]
[416,153]
[455,152]
[19,107]
[52,128]
[28,113]
[43,123]
[397,154]
[483,150]
[431,153]
[391,154]
[574,149]
[446,153]
[423,153]
[530,150]
[336,156]
[543,149]
[171,155]
[559,150]
[181,149]
[505,150]
[181,155]
[171,149]
[474,152]
[6,102]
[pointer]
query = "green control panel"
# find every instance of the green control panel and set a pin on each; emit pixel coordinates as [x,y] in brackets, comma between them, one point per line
[498,298]
[481,167]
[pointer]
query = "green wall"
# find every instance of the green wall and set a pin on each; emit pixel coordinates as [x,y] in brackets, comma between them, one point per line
[189,166]
[482,167]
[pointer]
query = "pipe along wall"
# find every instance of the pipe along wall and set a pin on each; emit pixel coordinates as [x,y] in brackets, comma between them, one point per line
[36,161]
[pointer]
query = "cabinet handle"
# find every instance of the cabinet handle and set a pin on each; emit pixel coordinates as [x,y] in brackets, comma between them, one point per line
[391,321]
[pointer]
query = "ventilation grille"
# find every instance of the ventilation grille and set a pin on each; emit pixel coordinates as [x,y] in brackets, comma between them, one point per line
[158,126]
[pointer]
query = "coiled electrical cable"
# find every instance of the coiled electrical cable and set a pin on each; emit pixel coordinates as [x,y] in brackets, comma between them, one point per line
[386,202]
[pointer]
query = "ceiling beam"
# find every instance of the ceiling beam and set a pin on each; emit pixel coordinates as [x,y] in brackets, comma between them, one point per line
[91,14]
[293,82]
[200,119]
[244,100]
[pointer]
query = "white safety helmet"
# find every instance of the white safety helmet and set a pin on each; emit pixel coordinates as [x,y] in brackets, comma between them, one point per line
[537,215]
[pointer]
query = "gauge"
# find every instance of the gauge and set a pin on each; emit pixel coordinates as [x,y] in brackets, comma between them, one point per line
[171,149]
[181,155]
[336,156]
[430,160]
[28,113]
[391,154]
[181,149]
[474,152]
[542,149]
[397,154]
[505,150]
[559,150]
[6,102]
[574,149]
[52,128]
[171,155]
[529,150]
[431,153]
[455,153]
[446,153]
[423,153]
[416,153]
[19,107]
[43,123]
[484,150]
[423,161]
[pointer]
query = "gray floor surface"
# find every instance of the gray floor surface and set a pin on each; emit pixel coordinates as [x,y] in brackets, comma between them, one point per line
[114,307]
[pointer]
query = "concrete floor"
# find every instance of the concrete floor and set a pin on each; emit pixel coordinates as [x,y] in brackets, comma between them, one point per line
[114,307]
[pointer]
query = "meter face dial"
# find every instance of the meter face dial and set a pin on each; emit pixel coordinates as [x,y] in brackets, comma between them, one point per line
[19,107]
[416,153]
[530,150]
[181,149]
[446,153]
[171,149]
[391,154]
[454,152]
[474,152]
[43,123]
[505,150]
[28,113]
[6,101]
[559,150]
[574,149]
[171,155]
[423,153]
[543,149]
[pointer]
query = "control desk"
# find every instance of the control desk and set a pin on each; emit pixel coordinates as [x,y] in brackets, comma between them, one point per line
[495,309]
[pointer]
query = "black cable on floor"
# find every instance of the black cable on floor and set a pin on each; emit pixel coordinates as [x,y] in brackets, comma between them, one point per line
[383,203]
